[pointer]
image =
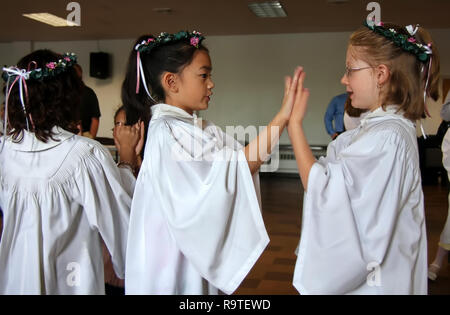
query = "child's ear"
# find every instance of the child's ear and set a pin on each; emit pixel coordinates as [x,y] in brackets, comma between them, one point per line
[383,74]
[170,82]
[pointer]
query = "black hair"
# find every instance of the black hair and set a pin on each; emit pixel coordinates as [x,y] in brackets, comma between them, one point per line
[172,57]
[52,101]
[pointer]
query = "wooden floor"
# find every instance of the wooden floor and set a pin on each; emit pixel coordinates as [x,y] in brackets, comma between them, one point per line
[282,201]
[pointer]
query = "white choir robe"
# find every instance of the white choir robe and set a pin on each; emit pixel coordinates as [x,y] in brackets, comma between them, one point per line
[444,240]
[195,224]
[58,198]
[363,228]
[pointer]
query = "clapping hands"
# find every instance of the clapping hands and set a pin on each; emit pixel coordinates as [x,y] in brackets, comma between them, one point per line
[296,97]
[129,141]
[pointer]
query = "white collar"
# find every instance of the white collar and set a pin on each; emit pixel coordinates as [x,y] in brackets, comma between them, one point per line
[159,110]
[391,110]
[30,143]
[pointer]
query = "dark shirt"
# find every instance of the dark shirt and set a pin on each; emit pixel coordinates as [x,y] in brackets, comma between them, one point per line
[89,108]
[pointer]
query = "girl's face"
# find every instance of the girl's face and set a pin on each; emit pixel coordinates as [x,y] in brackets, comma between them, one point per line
[120,120]
[194,84]
[360,81]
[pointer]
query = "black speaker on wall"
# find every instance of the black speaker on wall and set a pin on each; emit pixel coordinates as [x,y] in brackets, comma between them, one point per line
[100,65]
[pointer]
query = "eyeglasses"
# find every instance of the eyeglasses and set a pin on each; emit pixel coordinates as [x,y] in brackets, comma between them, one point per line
[349,71]
[119,123]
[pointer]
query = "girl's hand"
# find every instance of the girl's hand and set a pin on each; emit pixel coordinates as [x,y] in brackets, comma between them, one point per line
[129,136]
[129,141]
[300,102]
[290,91]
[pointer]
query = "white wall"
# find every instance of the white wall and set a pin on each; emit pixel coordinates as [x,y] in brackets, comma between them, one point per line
[249,73]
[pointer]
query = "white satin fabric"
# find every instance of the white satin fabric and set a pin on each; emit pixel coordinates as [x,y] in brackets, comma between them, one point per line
[363,229]
[58,199]
[445,235]
[195,224]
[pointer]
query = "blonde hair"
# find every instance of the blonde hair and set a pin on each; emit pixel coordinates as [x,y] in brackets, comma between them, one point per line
[408,75]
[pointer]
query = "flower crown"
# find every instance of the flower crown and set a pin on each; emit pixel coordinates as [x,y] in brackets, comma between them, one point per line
[195,39]
[50,70]
[405,42]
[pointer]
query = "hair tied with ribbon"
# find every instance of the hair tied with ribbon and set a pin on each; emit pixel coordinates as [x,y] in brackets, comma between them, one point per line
[146,46]
[14,75]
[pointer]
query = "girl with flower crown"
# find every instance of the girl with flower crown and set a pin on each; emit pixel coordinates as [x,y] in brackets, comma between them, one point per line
[195,222]
[363,228]
[60,193]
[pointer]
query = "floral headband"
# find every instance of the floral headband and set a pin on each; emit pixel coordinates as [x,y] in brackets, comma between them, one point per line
[423,53]
[15,75]
[405,42]
[50,70]
[195,39]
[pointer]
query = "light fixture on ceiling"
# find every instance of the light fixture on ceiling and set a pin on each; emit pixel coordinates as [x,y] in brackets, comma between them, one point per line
[337,1]
[268,9]
[167,11]
[50,19]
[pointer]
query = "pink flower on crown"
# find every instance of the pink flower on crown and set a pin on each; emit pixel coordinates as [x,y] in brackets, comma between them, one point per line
[150,40]
[380,24]
[51,65]
[195,41]
[411,40]
[67,59]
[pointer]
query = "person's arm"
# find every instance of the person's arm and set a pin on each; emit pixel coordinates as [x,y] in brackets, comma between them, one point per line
[328,119]
[94,127]
[303,154]
[261,147]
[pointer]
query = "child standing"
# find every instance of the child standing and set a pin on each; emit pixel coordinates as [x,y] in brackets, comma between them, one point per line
[195,223]
[59,192]
[363,229]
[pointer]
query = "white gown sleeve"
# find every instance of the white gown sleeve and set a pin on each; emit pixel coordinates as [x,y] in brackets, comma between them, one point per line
[446,151]
[106,197]
[349,215]
[211,207]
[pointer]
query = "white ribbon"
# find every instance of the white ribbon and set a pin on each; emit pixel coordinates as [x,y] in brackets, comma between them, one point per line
[412,30]
[144,83]
[423,131]
[139,45]
[21,76]
[427,82]
[428,49]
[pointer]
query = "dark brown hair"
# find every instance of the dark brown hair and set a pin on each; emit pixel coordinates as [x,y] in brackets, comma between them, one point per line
[407,74]
[172,57]
[52,101]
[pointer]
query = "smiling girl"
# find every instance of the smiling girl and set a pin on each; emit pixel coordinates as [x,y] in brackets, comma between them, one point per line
[363,228]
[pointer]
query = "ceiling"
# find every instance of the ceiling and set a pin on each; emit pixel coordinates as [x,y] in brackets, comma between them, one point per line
[114,19]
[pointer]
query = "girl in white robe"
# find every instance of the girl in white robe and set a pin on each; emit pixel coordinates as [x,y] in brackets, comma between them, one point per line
[195,225]
[363,227]
[60,193]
